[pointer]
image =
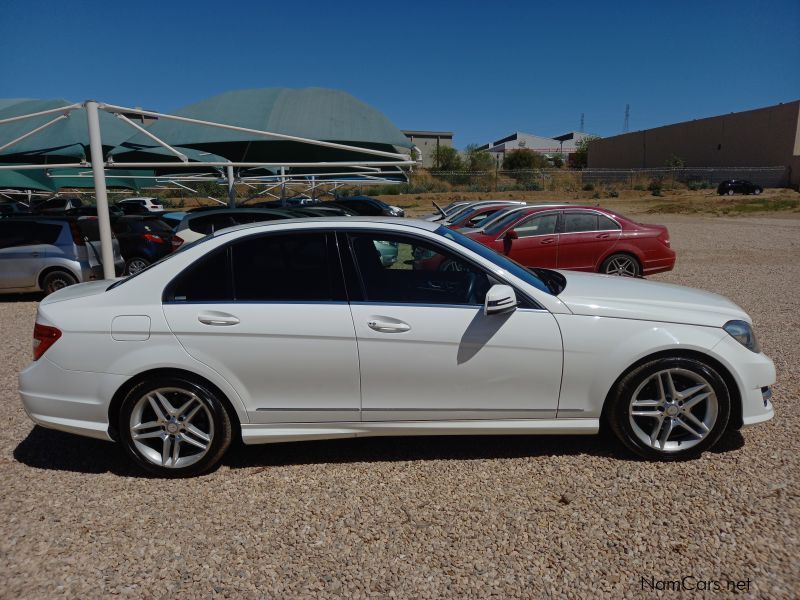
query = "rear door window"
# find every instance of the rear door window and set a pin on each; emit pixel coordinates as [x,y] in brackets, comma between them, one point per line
[577,222]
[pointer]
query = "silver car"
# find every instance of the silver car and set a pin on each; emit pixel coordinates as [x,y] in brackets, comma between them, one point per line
[49,253]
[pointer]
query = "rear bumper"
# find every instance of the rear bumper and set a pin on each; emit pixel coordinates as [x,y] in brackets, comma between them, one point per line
[659,265]
[72,401]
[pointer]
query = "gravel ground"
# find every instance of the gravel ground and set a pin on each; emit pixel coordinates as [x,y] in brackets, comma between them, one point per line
[423,517]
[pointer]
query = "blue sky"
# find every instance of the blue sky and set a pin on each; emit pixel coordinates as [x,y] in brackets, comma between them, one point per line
[480,69]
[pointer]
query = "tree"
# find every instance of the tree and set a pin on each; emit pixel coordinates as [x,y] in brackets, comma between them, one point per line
[558,160]
[446,158]
[675,162]
[580,158]
[477,159]
[523,158]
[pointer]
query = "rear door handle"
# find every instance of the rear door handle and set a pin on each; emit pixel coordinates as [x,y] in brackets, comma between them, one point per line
[548,241]
[217,318]
[602,236]
[389,327]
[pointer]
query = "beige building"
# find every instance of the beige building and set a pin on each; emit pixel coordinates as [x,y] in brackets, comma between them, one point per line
[765,137]
[428,142]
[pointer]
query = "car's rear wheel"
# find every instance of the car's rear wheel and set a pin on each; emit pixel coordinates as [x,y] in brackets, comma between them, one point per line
[730,192]
[621,264]
[757,191]
[135,264]
[174,427]
[670,408]
[56,280]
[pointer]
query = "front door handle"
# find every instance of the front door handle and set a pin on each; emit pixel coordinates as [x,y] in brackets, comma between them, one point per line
[602,236]
[548,241]
[389,326]
[217,318]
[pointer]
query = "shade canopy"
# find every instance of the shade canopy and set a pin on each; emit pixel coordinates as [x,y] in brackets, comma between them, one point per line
[64,141]
[313,113]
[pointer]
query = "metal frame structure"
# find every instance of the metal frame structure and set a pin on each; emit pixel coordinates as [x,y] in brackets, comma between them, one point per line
[372,171]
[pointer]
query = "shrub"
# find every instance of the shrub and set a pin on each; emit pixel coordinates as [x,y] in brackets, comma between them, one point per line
[639,187]
[588,187]
[613,194]
[656,185]
[523,159]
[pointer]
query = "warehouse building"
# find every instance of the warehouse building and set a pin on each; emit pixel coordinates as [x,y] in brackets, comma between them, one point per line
[561,144]
[428,143]
[765,137]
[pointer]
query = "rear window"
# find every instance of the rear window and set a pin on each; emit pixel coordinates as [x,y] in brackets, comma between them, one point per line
[89,228]
[208,224]
[151,226]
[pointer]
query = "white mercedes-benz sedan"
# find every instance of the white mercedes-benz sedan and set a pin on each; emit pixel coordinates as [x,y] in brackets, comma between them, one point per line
[298,330]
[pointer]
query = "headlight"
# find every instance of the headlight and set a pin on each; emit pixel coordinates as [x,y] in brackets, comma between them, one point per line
[743,333]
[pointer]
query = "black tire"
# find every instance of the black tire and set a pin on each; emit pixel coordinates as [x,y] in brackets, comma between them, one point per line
[215,418]
[730,192]
[610,265]
[757,191]
[56,280]
[621,422]
[137,263]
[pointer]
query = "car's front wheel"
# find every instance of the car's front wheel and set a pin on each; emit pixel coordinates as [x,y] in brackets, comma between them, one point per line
[670,408]
[174,427]
[757,191]
[730,192]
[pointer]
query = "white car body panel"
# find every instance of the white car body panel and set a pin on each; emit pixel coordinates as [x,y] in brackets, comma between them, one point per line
[304,357]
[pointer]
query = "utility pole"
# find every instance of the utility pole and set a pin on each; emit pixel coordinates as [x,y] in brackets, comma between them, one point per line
[627,118]
[582,124]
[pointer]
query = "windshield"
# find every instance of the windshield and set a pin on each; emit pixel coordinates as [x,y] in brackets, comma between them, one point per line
[505,263]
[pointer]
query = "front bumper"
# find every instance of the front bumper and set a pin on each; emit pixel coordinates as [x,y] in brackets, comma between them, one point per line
[754,374]
[72,401]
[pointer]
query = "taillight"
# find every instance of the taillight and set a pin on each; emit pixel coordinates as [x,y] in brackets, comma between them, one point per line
[44,336]
[176,242]
[153,238]
[77,236]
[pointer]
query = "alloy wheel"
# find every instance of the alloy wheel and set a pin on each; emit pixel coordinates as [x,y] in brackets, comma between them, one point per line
[672,410]
[171,427]
[623,266]
[135,265]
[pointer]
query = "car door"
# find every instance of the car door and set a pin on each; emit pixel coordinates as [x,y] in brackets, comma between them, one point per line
[269,313]
[582,241]
[427,350]
[536,242]
[21,254]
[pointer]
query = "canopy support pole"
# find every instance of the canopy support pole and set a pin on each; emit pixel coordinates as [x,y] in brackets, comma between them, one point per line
[231,189]
[98,170]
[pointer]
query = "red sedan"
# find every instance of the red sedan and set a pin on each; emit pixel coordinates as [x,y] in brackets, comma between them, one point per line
[580,238]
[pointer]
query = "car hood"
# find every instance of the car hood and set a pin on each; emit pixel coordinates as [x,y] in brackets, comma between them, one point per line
[629,298]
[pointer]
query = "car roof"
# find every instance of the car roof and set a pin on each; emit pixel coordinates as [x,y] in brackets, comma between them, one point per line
[336,222]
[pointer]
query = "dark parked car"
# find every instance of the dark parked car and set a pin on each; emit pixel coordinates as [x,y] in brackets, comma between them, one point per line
[56,205]
[367,207]
[738,186]
[142,240]
[10,209]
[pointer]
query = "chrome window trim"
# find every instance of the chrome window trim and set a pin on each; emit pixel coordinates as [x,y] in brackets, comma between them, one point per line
[590,210]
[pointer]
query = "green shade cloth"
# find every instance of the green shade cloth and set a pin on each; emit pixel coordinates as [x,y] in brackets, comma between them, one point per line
[314,113]
[26,180]
[64,141]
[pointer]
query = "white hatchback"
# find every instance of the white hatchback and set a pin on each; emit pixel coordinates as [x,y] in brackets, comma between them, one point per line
[297,330]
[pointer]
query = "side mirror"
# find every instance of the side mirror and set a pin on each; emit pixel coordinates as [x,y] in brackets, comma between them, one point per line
[500,299]
[512,235]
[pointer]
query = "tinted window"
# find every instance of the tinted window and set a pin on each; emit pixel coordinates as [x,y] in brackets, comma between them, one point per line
[151,226]
[207,280]
[604,222]
[27,233]
[282,267]
[364,207]
[577,222]
[538,225]
[89,228]
[401,269]
[46,233]
[502,223]
[208,224]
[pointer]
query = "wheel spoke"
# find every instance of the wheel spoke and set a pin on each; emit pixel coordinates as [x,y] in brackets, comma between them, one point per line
[156,408]
[149,425]
[645,403]
[673,393]
[646,413]
[689,392]
[689,429]
[165,403]
[197,433]
[662,440]
[696,421]
[186,405]
[149,434]
[694,401]
[661,394]
[656,430]
[192,441]
[192,413]
[176,451]
[165,451]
